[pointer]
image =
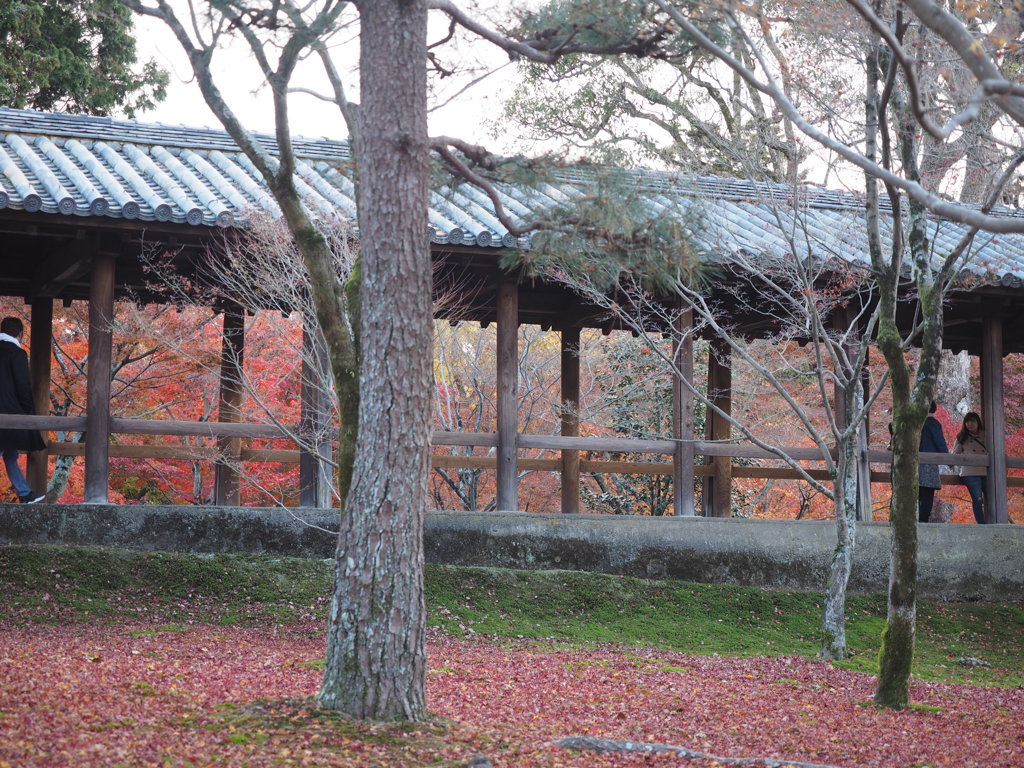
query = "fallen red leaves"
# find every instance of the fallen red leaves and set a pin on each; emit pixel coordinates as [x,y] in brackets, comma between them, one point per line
[139,695]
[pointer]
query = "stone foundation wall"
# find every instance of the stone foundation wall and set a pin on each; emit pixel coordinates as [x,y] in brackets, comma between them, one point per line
[956,562]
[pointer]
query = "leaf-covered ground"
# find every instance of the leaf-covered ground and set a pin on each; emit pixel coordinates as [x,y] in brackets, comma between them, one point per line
[123,693]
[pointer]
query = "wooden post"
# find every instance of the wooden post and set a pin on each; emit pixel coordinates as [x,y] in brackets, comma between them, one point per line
[843,319]
[682,413]
[40,344]
[508,392]
[227,491]
[718,486]
[570,418]
[865,510]
[996,507]
[97,415]
[315,473]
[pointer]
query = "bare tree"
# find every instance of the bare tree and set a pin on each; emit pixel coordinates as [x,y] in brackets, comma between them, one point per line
[467,395]
[259,269]
[798,296]
[887,151]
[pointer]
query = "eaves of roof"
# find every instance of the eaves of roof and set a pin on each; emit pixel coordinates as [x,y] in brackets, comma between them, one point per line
[86,166]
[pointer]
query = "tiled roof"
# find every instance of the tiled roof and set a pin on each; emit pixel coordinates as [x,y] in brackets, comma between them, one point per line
[95,166]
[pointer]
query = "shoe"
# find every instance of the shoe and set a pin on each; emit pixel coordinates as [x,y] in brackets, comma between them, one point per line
[33,498]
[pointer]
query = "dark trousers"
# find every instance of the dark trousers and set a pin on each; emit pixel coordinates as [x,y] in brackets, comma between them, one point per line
[976,487]
[925,499]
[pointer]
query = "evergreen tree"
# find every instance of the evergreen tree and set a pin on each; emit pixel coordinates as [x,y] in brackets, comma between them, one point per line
[74,56]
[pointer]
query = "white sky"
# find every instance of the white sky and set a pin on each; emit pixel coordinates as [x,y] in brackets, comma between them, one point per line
[469,116]
[474,114]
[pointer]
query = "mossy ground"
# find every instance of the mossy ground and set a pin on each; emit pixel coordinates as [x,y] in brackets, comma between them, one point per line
[49,583]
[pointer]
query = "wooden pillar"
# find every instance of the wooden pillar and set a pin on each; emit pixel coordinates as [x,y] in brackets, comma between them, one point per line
[682,413]
[508,394]
[570,418]
[232,395]
[865,509]
[97,415]
[994,416]
[718,486]
[843,319]
[315,468]
[40,343]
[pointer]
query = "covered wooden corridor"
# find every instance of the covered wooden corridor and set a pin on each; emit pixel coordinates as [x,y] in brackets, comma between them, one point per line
[81,197]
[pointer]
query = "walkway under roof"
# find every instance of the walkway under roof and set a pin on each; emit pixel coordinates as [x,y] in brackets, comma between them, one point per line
[81,198]
[72,185]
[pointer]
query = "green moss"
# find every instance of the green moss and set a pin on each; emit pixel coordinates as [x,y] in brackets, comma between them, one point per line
[895,659]
[45,584]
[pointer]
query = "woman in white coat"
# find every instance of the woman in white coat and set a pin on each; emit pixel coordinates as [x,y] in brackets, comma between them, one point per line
[970,441]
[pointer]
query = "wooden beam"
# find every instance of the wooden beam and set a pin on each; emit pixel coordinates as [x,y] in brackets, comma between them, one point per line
[159,452]
[481,439]
[508,392]
[195,428]
[47,423]
[285,456]
[71,264]
[615,444]
[227,488]
[98,372]
[683,458]
[570,418]
[996,506]
[41,344]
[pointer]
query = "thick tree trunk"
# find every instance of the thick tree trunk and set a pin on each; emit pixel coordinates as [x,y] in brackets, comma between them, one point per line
[375,665]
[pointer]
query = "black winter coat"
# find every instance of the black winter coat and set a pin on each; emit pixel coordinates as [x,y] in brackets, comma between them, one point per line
[16,397]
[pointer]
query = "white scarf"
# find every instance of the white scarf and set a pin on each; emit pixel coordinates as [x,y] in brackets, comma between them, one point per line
[5,337]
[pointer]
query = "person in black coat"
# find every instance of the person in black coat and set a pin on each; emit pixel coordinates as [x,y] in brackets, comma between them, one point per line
[928,481]
[16,397]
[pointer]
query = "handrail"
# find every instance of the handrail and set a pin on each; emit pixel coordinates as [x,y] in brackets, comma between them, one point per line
[214,429]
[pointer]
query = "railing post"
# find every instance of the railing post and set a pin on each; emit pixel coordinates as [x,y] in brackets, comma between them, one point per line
[41,344]
[994,416]
[508,394]
[227,491]
[98,373]
[570,418]
[315,475]
[682,412]
[718,485]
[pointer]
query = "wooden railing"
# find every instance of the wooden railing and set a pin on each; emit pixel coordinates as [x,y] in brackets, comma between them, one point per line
[212,429]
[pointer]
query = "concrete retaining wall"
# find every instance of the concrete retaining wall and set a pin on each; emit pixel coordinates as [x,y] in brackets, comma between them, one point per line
[956,562]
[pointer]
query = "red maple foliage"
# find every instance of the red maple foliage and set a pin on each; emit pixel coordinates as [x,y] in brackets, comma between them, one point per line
[146,695]
[167,367]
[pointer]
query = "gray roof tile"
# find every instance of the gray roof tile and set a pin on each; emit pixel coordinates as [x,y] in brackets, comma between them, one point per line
[93,166]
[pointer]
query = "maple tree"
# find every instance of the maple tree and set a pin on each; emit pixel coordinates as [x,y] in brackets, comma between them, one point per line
[166,366]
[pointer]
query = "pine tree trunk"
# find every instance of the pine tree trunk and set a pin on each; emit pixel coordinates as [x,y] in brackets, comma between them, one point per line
[375,665]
